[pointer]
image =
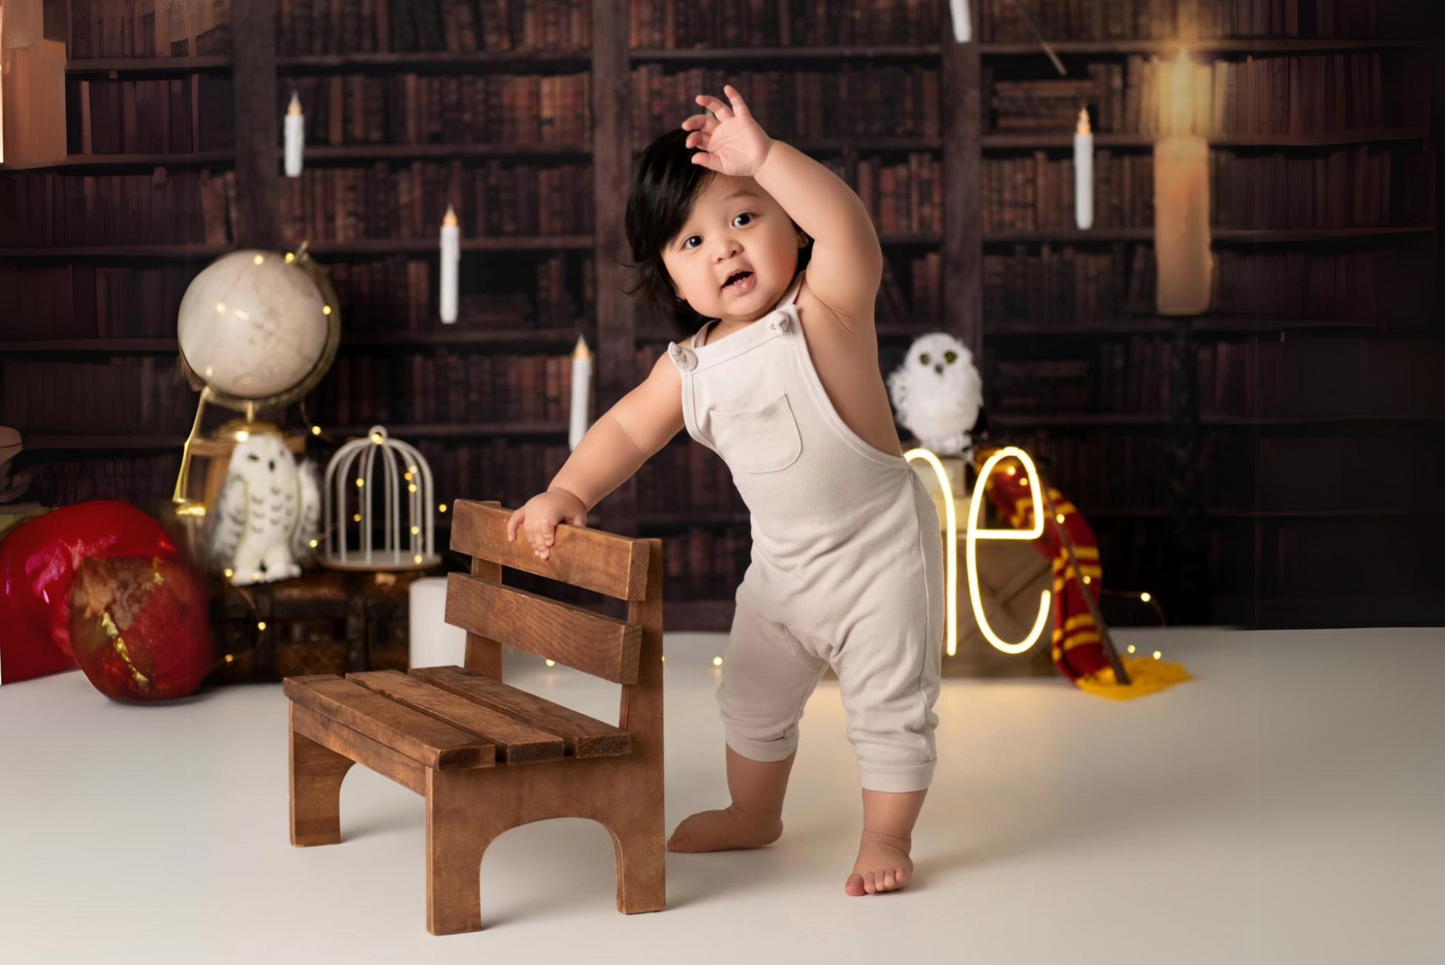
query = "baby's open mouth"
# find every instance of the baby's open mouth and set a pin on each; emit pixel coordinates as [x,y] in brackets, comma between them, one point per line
[739,281]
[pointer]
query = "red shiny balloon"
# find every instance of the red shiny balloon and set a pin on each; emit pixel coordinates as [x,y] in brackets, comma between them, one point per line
[38,560]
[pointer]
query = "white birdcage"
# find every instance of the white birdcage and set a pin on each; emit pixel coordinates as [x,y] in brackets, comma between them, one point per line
[350,497]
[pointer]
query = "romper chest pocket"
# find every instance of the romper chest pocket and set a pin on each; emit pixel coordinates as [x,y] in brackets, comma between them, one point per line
[758,440]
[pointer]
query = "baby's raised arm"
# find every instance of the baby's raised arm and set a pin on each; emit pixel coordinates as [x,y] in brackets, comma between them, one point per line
[614,448]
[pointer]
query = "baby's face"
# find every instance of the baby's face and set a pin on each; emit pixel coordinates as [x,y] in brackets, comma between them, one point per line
[733,225]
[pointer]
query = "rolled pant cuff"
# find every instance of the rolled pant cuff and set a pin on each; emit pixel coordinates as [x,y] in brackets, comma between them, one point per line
[766,751]
[897,778]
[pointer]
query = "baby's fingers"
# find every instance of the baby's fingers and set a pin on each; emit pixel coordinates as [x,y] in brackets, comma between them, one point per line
[513,522]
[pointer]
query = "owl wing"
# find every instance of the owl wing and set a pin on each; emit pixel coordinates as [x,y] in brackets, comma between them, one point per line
[898,388]
[230,519]
[308,518]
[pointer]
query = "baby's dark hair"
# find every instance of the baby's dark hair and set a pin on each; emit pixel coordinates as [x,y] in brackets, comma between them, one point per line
[664,184]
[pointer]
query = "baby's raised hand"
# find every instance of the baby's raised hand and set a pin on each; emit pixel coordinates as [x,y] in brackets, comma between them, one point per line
[732,142]
[541,514]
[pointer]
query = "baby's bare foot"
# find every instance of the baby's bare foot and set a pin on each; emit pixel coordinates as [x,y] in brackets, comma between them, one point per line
[723,830]
[883,864]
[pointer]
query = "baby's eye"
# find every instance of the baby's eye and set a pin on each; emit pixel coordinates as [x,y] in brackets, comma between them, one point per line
[950,356]
[923,358]
[687,239]
[745,214]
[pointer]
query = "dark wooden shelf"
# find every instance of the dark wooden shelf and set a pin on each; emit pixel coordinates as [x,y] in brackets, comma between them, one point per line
[147,65]
[1029,141]
[157,252]
[1250,421]
[1348,512]
[452,430]
[62,441]
[519,59]
[430,246]
[1254,236]
[132,161]
[462,337]
[94,346]
[1013,420]
[500,337]
[1290,45]
[1199,324]
[831,145]
[406,152]
[795,52]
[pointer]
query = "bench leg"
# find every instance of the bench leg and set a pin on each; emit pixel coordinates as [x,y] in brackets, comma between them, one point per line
[316,775]
[641,852]
[455,842]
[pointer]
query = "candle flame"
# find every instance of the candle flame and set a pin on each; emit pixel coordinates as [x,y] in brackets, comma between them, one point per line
[295,106]
[449,220]
[1083,127]
[581,351]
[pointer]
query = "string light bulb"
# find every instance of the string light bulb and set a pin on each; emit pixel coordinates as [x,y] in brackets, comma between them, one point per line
[717,661]
[551,663]
[1158,654]
[261,625]
[316,430]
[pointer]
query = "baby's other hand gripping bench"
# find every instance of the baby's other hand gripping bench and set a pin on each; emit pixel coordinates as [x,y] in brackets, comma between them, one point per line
[486,756]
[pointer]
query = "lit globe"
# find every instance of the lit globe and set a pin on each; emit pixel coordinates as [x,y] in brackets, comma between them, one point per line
[252,325]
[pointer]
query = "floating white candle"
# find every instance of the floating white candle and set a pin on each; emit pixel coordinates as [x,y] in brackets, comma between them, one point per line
[450,263]
[581,383]
[1184,263]
[962,20]
[295,131]
[1084,172]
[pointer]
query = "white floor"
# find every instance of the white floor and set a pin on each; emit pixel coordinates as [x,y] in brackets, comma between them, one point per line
[1285,807]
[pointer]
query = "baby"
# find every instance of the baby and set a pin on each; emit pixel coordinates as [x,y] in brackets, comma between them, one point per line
[783,382]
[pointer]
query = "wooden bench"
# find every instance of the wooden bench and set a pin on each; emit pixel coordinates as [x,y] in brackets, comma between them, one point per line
[486,756]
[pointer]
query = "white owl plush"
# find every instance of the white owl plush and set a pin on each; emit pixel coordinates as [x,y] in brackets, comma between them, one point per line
[937,393]
[267,513]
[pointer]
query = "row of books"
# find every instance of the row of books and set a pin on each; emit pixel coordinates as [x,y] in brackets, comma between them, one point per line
[677,25]
[161,116]
[409,200]
[86,300]
[704,562]
[1003,21]
[1036,193]
[397,294]
[449,387]
[148,28]
[409,108]
[1310,94]
[145,481]
[1324,375]
[1096,468]
[902,197]
[162,207]
[1064,285]
[884,100]
[1345,188]
[121,394]
[1125,375]
[1319,472]
[366,26]
[500,467]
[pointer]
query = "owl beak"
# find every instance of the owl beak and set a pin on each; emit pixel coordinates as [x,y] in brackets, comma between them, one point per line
[938,367]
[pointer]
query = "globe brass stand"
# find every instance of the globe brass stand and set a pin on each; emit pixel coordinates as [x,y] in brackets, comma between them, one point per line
[218,446]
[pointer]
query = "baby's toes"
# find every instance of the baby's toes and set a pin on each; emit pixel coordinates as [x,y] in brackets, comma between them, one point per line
[854,885]
[889,882]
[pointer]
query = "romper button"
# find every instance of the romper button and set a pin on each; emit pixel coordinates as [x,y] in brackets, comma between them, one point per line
[683,356]
[779,323]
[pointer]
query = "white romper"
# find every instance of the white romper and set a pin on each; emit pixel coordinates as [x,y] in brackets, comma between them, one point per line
[847,559]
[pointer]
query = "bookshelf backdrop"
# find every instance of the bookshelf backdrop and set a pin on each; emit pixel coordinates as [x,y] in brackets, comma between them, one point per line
[1264,464]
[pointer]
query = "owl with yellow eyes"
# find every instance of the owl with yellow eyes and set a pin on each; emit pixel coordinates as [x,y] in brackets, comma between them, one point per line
[937,393]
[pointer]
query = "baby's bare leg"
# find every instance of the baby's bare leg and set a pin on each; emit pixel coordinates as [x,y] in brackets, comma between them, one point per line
[883,863]
[754,819]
